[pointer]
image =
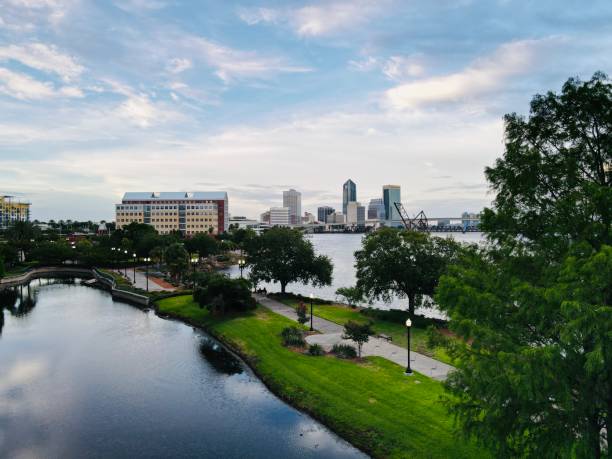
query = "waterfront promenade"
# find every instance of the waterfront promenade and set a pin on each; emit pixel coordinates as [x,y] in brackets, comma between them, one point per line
[331,333]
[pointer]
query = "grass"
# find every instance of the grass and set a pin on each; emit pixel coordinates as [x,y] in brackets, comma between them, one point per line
[341,314]
[369,403]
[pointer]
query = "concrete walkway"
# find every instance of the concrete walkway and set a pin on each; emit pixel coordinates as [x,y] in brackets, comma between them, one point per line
[331,333]
[141,281]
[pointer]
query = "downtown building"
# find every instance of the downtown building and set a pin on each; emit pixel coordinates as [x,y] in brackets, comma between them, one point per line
[11,212]
[280,216]
[391,195]
[292,200]
[349,194]
[376,210]
[323,212]
[355,214]
[187,212]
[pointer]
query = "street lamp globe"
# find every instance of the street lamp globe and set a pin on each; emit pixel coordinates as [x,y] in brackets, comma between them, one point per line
[408,323]
[312,296]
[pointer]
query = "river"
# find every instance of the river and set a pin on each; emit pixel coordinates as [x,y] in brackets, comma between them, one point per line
[82,375]
[340,248]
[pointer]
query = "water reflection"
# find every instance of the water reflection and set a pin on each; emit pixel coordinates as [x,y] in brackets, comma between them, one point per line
[219,358]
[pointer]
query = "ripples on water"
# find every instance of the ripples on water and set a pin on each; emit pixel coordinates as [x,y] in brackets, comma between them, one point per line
[340,248]
[83,376]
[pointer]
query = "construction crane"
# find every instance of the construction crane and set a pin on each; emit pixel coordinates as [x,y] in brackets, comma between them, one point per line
[418,223]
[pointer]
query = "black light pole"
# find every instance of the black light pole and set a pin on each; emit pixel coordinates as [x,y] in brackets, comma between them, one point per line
[408,326]
[194,261]
[241,266]
[311,298]
[134,280]
[125,265]
[147,260]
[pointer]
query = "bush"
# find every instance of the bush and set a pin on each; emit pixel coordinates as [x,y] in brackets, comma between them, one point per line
[344,351]
[293,336]
[316,350]
[435,338]
[221,294]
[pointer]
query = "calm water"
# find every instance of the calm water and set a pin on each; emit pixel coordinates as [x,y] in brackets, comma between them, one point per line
[83,376]
[340,248]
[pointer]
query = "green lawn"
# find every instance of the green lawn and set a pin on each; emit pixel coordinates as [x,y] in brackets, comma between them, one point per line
[371,404]
[341,314]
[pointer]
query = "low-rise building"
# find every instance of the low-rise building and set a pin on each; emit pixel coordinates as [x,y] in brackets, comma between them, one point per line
[242,222]
[336,218]
[187,212]
[279,216]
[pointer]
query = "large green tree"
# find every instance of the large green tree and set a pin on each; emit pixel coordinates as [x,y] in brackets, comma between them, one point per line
[402,263]
[177,260]
[283,255]
[536,306]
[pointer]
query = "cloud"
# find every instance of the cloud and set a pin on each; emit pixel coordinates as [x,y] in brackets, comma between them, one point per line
[396,68]
[325,18]
[178,65]
[482,76]
[24,87]
[231,64]
[43,57]
[52,11]
[140,5]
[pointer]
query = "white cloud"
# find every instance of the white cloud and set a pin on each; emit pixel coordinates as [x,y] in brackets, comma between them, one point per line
[43,57]
[179,65]
[24,87]
[53,11]
[481,77]
[399,68]
[324,18]
[140,5]
[233,64]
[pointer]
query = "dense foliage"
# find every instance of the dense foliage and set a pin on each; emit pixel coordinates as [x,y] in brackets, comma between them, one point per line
[536,307]
[221,294]
[283,255]
[407,264]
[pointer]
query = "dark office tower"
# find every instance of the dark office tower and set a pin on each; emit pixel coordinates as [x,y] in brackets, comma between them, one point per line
[323,212]
[349,194]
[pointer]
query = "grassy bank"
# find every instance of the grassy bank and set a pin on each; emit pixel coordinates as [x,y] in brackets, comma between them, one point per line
[341,314]
[371,404]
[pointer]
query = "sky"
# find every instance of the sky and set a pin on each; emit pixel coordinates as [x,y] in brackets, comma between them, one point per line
[253,97]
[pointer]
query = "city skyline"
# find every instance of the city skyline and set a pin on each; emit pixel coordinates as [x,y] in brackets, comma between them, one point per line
[245,97]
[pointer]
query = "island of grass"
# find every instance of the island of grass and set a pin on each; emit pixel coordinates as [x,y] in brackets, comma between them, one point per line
[396,330]
[370,403]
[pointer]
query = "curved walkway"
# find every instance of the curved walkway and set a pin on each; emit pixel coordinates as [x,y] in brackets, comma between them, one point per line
[331,333]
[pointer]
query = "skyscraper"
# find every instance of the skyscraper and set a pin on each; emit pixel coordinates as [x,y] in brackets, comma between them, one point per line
[293,201]
[376,209]
[349,194]
[355,213]
[323,212]
[391,195]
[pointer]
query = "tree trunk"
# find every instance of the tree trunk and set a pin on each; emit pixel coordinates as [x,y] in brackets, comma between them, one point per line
[283,287]
[411,301]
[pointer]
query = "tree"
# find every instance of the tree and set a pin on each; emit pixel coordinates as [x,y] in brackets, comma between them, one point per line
[221,294]
[202,244]
[358,332]
[2,270]
[404,263]
[301,313]
[553,184]
[536,307]
[177,261]
[352,295]
[283,255]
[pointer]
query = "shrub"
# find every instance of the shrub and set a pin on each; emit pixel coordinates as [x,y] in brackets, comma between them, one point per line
[301,313]
[293,336]
[221,294]
[358,332]
[435,338]
[344,351]
[316,350]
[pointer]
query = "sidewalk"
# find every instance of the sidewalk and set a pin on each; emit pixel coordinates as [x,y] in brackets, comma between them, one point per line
[331,333]
[155,284]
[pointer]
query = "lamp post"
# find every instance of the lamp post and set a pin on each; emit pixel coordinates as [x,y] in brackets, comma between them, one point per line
[125,265]
[408,326]
[147,260]
[194,261]
[311,298]
[113,257]
[241,264]
[134,280]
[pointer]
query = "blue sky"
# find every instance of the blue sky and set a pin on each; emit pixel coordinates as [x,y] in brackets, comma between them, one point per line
[102,97]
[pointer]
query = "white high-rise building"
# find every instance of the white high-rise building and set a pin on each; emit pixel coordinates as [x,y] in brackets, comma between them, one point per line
[279,216]
[293,201]
[355,213]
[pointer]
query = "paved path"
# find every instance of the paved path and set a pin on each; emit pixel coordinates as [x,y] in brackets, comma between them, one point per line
[141,281]
[331,333]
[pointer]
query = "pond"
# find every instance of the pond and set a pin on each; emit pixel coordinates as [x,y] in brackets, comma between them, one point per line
[84,376]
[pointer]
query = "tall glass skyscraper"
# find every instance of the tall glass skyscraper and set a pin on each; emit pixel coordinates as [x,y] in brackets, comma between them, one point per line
[391,195]
[349,194]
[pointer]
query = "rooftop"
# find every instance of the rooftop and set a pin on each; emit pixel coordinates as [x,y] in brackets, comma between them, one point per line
[173,195]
